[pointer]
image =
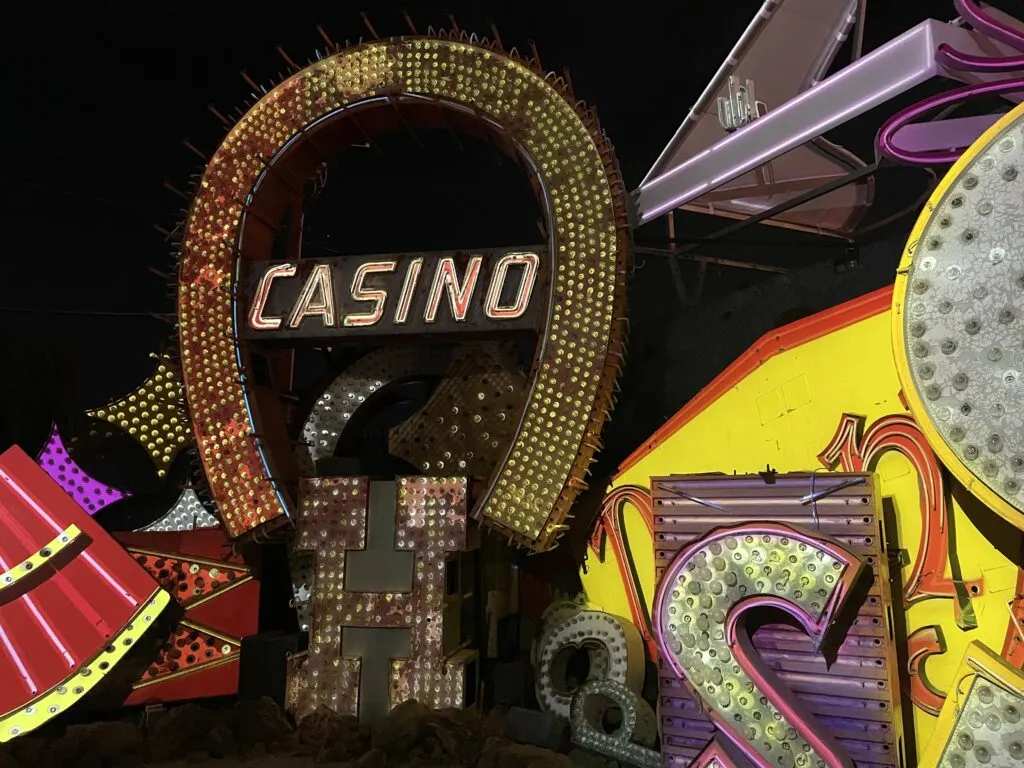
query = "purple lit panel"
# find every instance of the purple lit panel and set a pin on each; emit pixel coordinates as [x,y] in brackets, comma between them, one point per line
[877,77]
[91,494]
[856,699]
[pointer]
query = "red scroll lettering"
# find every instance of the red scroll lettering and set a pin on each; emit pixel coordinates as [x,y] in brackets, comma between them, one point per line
[611,529]
[922,643]
[1013,646]
[854,449]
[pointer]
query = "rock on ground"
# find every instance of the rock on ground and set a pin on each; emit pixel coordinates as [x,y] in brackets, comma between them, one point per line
[257,734]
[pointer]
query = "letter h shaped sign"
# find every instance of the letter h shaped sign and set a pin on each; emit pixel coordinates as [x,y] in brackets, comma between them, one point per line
[378,593]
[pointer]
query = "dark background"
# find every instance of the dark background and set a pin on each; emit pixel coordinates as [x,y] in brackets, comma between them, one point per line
[99,100]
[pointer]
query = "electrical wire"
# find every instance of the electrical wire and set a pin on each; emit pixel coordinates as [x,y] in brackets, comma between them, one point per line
[75,312]
[36,186]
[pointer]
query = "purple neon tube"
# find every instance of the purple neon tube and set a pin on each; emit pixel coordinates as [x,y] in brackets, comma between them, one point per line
[951,58]
[888,147]
[984,23]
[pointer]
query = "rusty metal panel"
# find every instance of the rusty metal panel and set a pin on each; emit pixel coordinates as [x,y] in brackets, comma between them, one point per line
[857,699]
[471,417]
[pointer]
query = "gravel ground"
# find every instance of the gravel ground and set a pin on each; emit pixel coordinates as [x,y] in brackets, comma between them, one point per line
[264,761]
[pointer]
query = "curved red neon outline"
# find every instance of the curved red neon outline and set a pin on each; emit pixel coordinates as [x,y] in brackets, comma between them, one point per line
[412,276]
[855,449]
[257,320]
[308,303]
[1013,645]
[377,295]
[446,280]
[496,311]
[611,527]
[922,643]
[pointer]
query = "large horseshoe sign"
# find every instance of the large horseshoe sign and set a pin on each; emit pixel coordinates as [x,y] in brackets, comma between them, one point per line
[470,86]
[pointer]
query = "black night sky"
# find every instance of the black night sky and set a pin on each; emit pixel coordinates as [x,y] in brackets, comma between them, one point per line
[101,97]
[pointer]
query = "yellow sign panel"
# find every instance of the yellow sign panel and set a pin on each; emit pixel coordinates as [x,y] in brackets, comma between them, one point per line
[823,394]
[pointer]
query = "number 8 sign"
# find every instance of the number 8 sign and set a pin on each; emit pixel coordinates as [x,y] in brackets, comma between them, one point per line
[701,608]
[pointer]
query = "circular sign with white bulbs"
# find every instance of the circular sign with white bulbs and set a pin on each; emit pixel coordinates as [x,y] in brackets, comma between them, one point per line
[958,319]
